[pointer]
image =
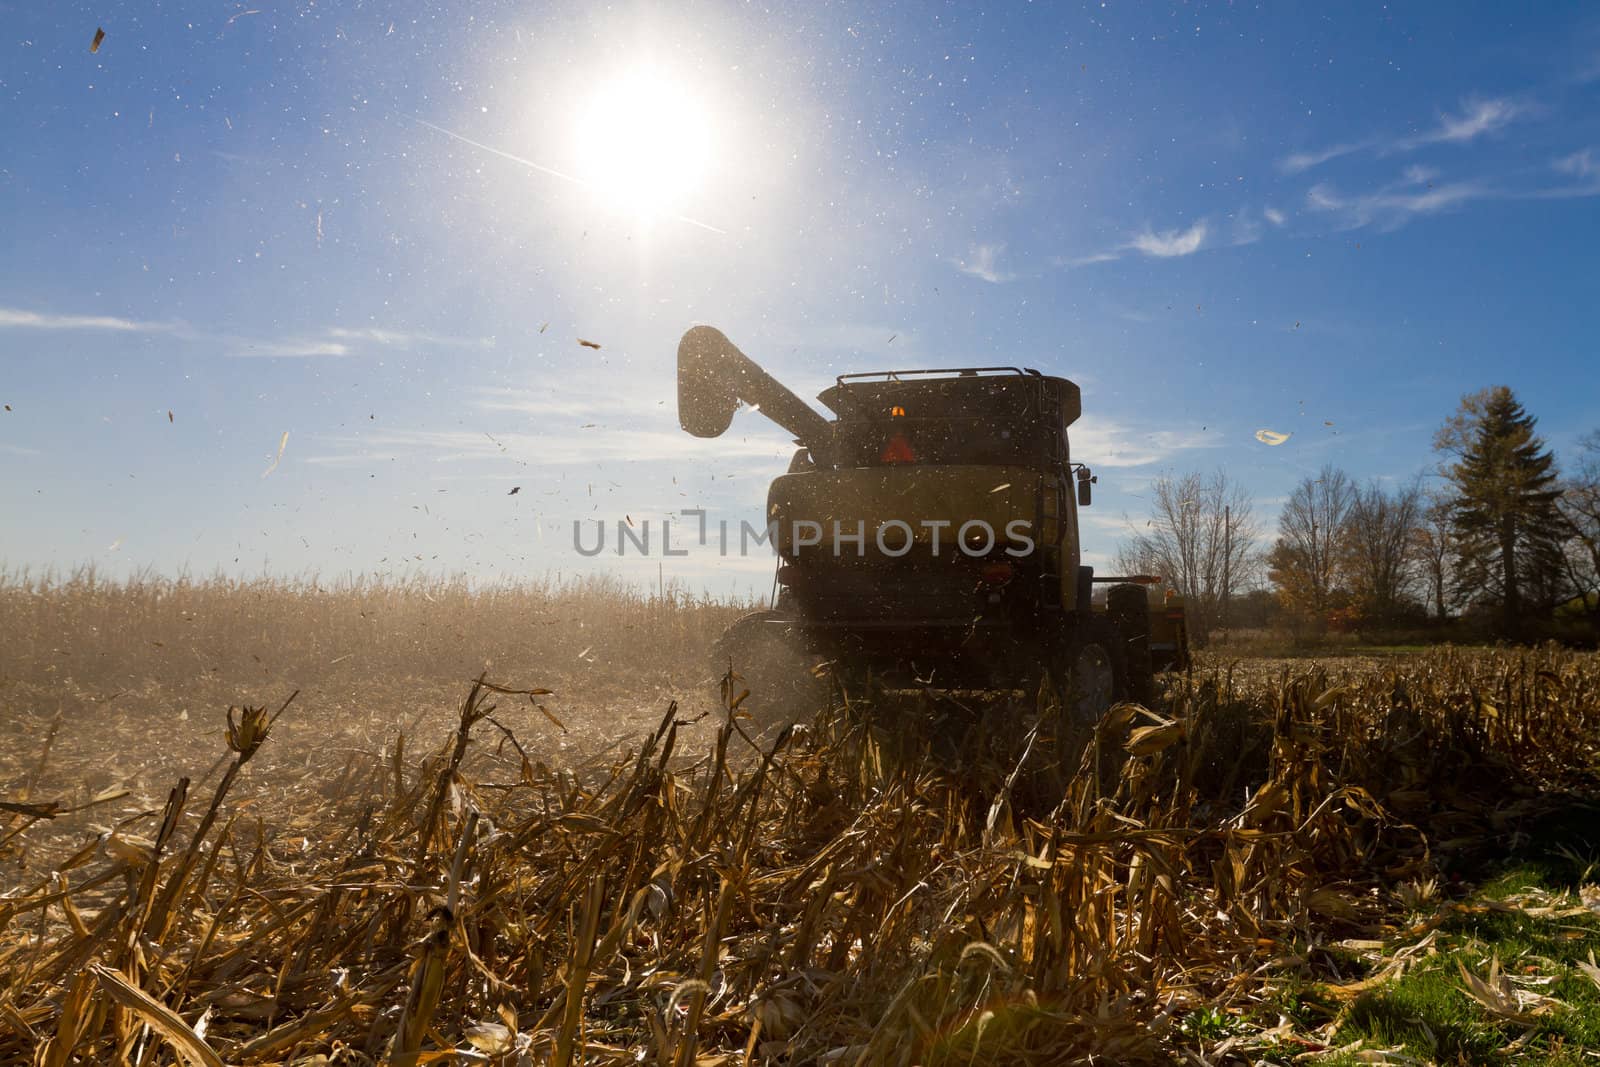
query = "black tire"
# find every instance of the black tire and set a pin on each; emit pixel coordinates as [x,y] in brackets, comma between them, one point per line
[1066,694]
[1043,777]
[758,653]
[1104,738]
[1094,682]
[1128,609]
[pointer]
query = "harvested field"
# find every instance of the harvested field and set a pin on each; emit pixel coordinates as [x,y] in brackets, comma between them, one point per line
[406,866]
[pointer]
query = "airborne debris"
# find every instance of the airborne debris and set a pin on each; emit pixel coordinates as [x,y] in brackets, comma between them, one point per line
[589,344]
[99,35]
[169,414]
[515,489]
[545,326]
[283,443]
[1272,437]
[1002,485]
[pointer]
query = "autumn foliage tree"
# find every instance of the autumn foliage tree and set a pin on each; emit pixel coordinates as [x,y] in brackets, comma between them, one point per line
[1380,557]
[1433,546]
[1305,561]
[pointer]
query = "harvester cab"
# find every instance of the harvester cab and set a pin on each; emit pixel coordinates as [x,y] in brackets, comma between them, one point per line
[928,529]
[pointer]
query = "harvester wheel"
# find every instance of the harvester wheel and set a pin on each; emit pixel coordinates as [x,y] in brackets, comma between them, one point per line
[1097,679]
[1067,694]
[1128,608]
[1046,771]
[760,656]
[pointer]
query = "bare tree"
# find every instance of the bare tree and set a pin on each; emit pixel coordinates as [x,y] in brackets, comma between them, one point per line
[1380,548]
[1305,560]
[1433,541]
[1580,504]
[1202,539]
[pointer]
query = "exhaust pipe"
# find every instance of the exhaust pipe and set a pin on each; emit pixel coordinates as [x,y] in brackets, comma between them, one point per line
[714,376]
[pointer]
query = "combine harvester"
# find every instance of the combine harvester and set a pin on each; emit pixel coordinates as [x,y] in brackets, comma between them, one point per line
[927,536]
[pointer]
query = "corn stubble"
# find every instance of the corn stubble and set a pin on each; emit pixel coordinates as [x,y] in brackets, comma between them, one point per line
[834,897]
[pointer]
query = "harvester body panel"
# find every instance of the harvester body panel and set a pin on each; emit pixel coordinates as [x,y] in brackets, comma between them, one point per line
[927,506]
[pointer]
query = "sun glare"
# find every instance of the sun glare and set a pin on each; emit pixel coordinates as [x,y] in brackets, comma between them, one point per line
[644,142]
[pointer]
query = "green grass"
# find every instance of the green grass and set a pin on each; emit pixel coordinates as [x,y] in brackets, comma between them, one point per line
[1428,1014]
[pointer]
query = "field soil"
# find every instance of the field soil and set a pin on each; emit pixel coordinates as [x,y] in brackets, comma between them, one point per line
[591,858]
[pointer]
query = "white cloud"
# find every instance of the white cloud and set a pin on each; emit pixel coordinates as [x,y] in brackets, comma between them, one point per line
[1084,261]
[391,338]
[291,348]
[1296,162]
[18,450]
[1170,243]
[1393,205]
[1583,167]
[333,341]
[586,447]
[1101,441]
[984,262]
[36,320]
[1477,118]
[1246,227]
[1274,216]
[555,403]
[1580,164]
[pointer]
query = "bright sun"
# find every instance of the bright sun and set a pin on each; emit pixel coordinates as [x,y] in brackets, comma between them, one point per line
[644,141]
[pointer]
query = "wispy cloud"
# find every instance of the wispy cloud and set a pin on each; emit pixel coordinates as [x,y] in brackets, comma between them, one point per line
[1274,216]
[1296,162]
[18,450]
[984,262]
[309,347]
[17,318]
[1477,117]
[333,341]
[1164,244]
[378,335]
[1580,164]
[1246,228]
[1106,442]
[1084,261]
[570,448]
[1583,166]
[1170,243]
[559,403]
[1396,204]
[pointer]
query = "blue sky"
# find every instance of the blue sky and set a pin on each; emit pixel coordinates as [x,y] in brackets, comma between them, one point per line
[1216,219]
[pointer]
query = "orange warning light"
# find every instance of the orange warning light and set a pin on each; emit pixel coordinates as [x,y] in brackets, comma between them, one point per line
[898,450]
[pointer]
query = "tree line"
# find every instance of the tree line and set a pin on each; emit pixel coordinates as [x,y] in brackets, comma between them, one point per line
[1495,534]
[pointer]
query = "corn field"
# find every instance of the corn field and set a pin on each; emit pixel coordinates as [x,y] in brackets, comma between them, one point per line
[708,889]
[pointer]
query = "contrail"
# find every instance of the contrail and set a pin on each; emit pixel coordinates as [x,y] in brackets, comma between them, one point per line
[542,169]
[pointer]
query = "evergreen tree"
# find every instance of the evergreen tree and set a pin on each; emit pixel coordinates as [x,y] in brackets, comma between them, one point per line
[1504,510]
